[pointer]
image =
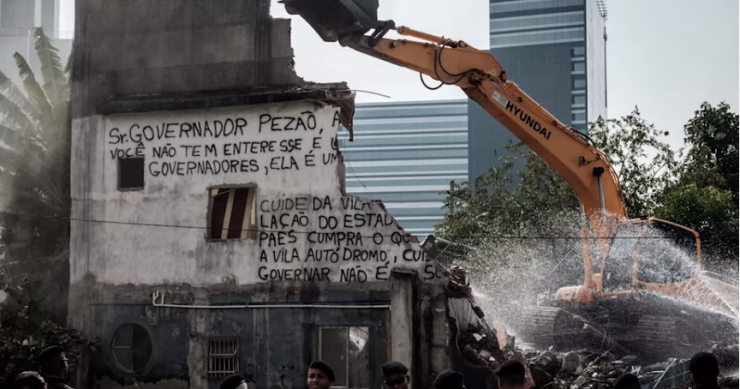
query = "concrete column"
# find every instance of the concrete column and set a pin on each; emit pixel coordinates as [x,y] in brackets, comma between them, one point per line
[199,319]
[401,323]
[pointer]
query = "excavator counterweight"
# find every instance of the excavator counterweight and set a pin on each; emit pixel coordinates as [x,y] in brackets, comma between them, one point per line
[333,19]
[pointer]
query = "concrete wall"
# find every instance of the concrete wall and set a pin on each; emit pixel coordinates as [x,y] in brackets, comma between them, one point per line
[313,244]
[130,47]
[284,151]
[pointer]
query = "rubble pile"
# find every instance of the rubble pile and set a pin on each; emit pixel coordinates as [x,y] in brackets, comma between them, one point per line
[480,346]
[578,369]
[483,345]
[587,369]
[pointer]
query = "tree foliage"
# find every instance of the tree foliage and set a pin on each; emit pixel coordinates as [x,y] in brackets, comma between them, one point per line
[34,180]
[712,160]
[705,195]
[645,164]
[711,211]
[25,329]
[34,156]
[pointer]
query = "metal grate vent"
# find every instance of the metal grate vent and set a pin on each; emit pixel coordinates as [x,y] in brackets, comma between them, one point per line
[223,357]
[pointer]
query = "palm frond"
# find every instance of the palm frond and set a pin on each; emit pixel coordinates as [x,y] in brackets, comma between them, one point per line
[35,93]
[60,118]
[11,137]
[11,91]
[13,116]
[51,67]
[68,73]
[10,160]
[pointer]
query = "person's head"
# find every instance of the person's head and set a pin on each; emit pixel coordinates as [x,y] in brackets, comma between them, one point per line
[30,380]
[234,381]
[53,362]
[627,381]
[704,368]
[320,375]
[395,375]
[449,379]
[510,375]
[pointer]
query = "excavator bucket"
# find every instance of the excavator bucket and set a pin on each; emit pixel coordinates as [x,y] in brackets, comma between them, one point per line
[333,19]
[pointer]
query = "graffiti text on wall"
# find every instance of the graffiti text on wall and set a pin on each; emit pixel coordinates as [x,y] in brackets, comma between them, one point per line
[228,145]
[337,239]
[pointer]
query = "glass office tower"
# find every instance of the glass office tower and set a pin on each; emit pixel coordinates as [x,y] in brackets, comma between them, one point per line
[405,153]
[555,50]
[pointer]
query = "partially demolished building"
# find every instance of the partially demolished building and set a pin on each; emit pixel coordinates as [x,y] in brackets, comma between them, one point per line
[211,233]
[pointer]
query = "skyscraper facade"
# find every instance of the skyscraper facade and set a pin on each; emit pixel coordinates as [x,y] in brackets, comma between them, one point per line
[555,50]
[18,18]
[405,154]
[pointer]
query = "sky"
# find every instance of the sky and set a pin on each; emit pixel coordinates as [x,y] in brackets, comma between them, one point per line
[664,56]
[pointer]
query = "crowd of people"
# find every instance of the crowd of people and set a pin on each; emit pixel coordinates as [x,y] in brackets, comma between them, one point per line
[52,374]
[512,374]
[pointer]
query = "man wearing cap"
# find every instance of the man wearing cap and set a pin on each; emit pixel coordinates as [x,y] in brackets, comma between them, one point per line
[54,367]
[449,379]
[704,370]
[395,376]
[320,375]
[512,375]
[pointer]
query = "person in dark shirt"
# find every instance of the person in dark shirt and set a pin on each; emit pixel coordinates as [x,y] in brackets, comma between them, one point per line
[704,370]
[395,375]
[30,380]
[511,375]
[54,367]
[627,381]
[449,379]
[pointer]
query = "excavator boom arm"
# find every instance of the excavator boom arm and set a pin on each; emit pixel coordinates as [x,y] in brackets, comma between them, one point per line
[482,78]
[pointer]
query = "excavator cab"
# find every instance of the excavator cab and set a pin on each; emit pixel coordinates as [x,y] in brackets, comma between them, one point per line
[650,251]
[333,19]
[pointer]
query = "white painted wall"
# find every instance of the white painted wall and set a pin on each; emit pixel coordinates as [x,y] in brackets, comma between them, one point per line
[158,234]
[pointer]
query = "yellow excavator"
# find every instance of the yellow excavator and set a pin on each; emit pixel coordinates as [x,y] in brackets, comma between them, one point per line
[646,292]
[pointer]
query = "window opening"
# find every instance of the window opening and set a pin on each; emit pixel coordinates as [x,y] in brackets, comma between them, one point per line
[232,213]
[577,51]
[130,173]
[223,357]
[579,83]
[132,347]
[346,350]
[579,67]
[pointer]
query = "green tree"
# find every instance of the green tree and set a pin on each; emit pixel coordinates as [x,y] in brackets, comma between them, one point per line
[34,180]
[705,195]
[645,164]
[712,159]
[25,330]
[712,212]
[34,171]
